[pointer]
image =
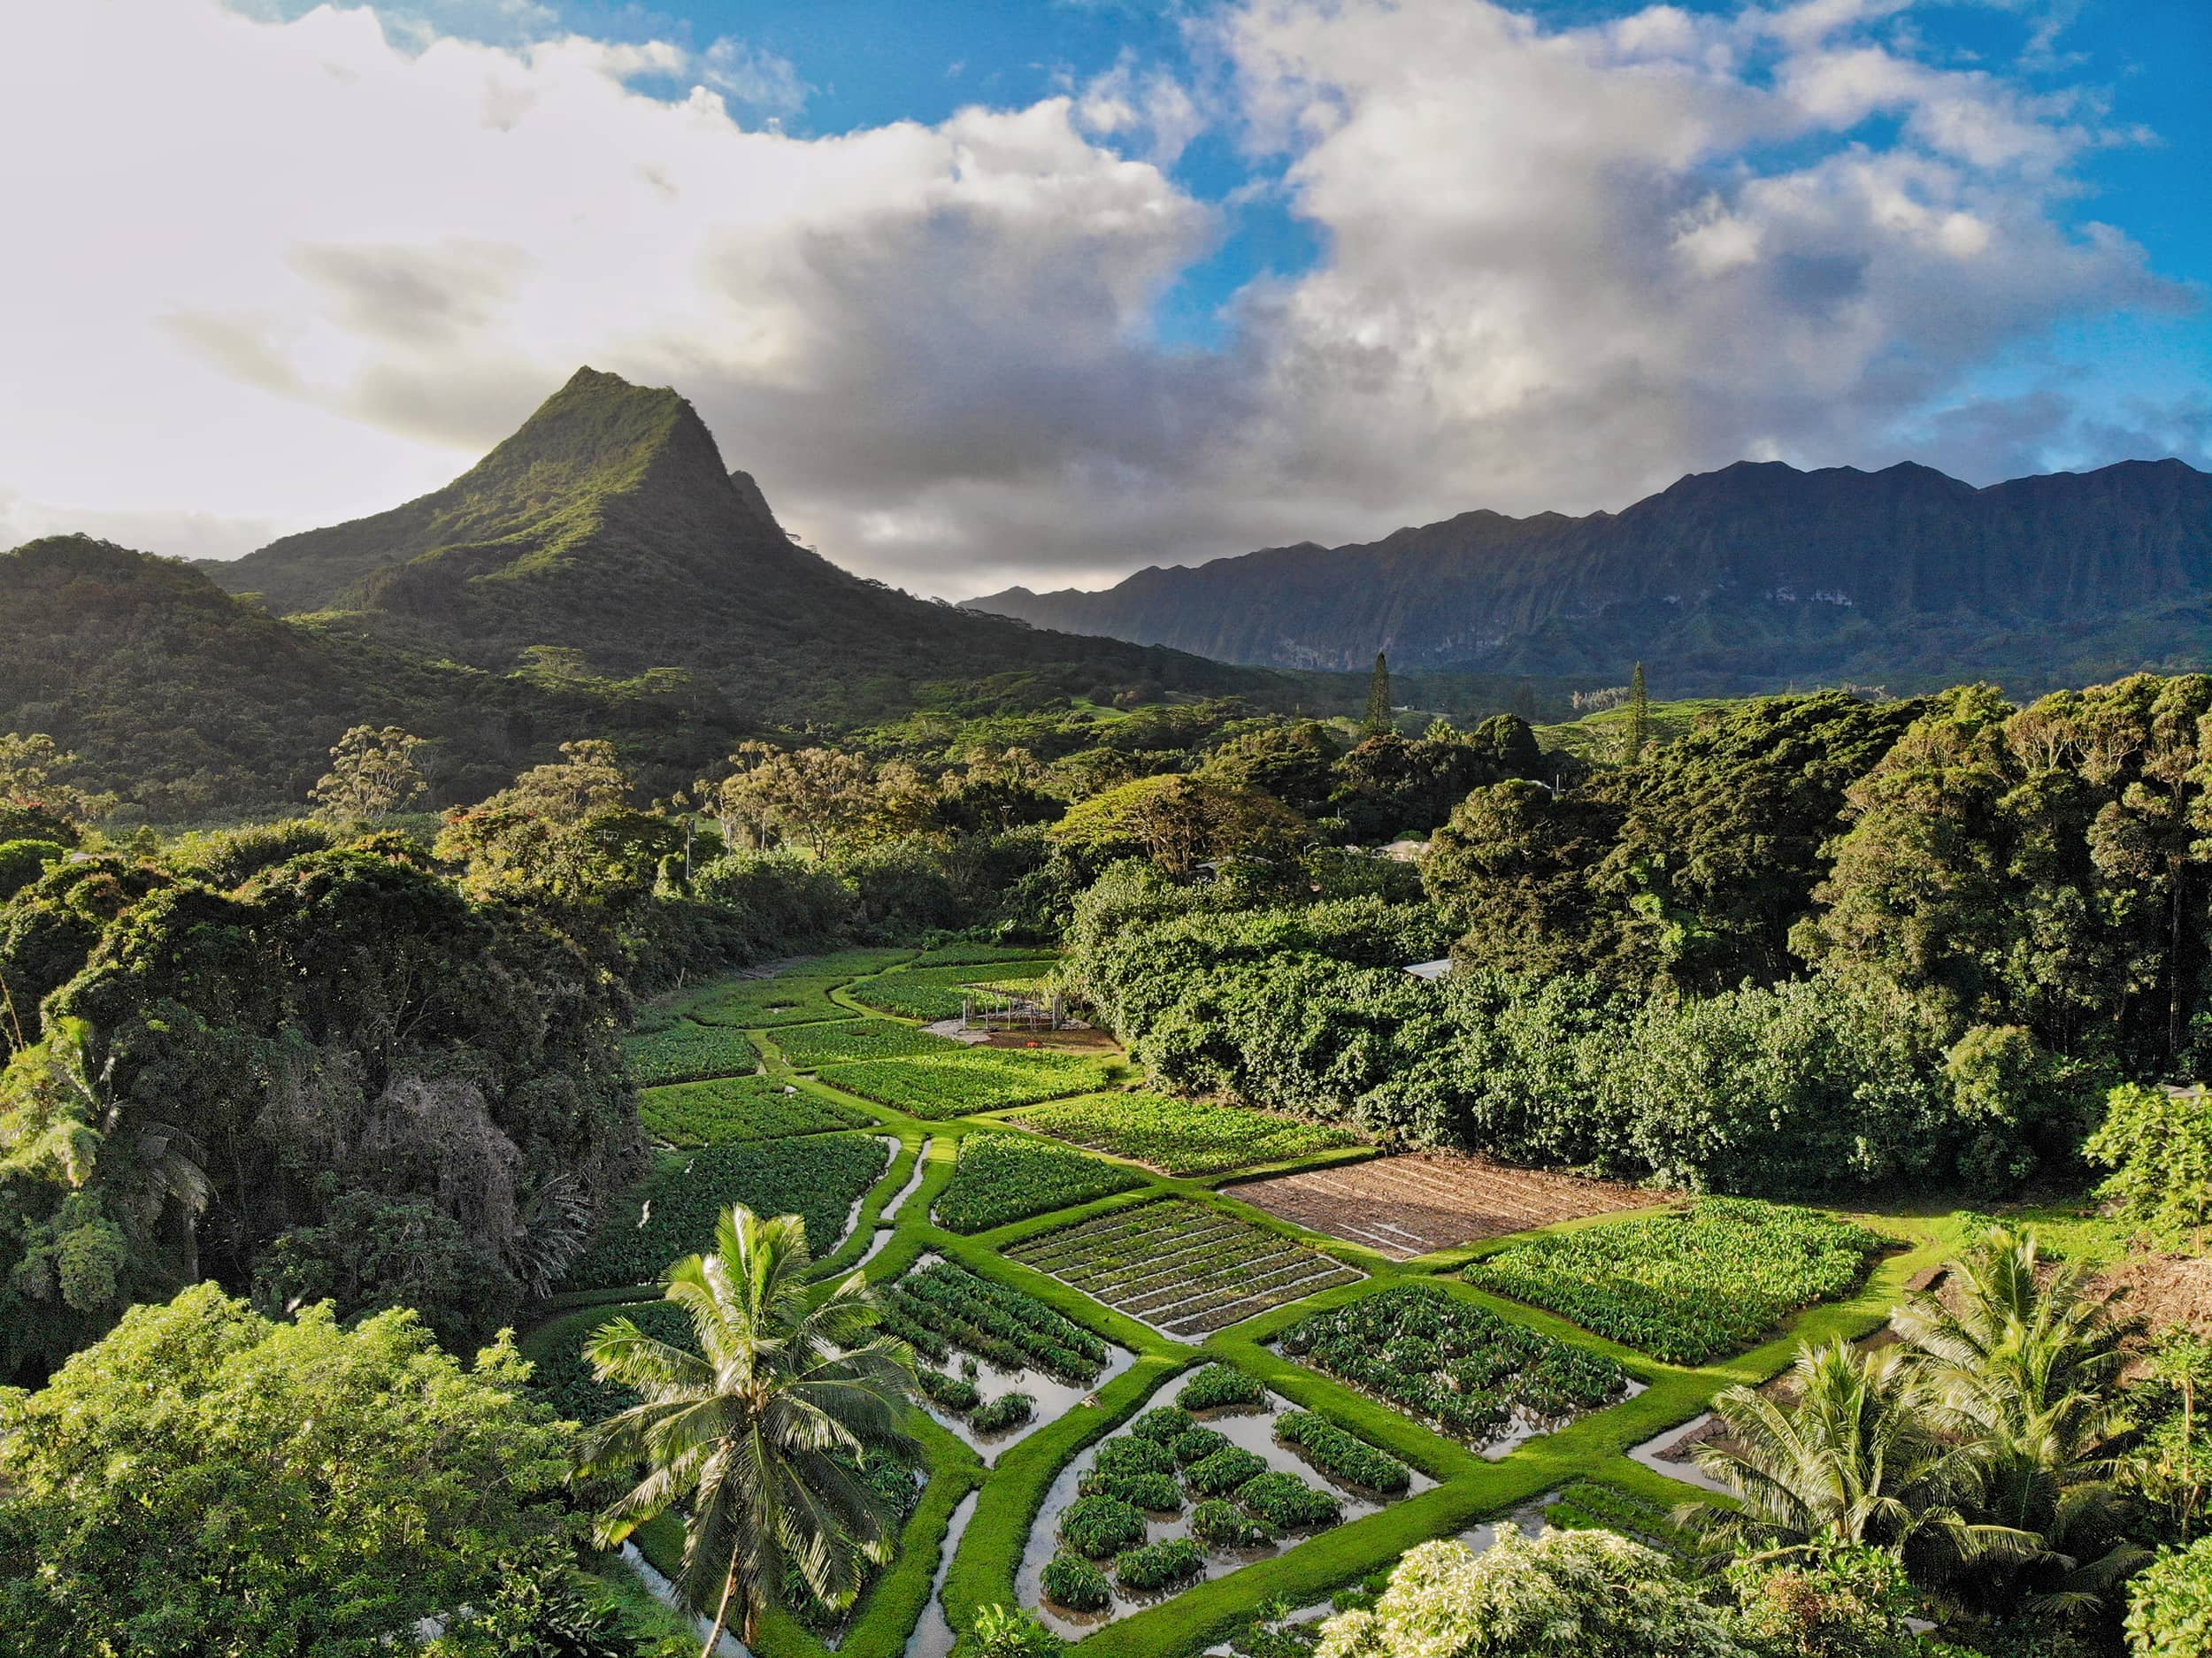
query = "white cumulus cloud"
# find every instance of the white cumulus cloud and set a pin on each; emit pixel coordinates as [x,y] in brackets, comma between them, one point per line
[270,269]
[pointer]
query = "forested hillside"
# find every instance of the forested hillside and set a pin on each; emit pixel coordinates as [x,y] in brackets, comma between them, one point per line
[1751,579]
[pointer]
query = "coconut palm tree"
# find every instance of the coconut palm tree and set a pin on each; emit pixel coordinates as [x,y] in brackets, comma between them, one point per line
[2021,1357]
[1852,1458]
[757,1439]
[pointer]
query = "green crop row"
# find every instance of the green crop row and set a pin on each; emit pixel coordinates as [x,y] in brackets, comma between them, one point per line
[1004,1178]
[968,1080]
[1690,1286]
[812,1047]
[942,1306]
[1185,1268]
[757,1003]
[1458,1365]
[817,1177]
[675,1050]
[1185,1137]
[695,1114]
[930,994]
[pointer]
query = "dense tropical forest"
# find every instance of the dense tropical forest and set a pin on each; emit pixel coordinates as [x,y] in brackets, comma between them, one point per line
[405,1213]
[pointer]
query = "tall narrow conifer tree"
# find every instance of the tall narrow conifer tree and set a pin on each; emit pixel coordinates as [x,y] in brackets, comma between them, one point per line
[1378,719]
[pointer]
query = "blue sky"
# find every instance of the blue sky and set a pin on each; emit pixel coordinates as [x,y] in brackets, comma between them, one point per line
[1045,290]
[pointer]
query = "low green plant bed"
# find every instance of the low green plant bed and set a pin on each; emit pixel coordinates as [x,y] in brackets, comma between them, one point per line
[842,1041]
[1219,1384]
[970,1079]
[1223,1524]
[1074,1583]
[1459,1365]
[1002,1177]
[689,1115]
[817,1177]
[1287,1502]
[1692,1286]
[1224,1471]
[1158,1565]
[678,1049]
[1100,1527]
[1008,1410]
[1185,1137]
[1340,1455]
[1163,1425]
[940,1307]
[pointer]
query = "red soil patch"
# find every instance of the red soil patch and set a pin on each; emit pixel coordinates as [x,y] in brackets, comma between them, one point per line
[1409,1205]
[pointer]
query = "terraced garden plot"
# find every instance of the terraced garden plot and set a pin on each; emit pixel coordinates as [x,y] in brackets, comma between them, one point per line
[1690,1286]
[986,1348]
[1177,1497]
[1182,1268]
[978,955]
[764,1003]
[1002,1177]
[1409,1205]
[817,1177]
[1461,1367]
[812,1047]
[689,1115]
[970,1079]
[930,994]
[677,1049]
[1185,1137]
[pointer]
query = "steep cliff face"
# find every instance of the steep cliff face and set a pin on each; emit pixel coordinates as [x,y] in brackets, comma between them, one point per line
[1750,575]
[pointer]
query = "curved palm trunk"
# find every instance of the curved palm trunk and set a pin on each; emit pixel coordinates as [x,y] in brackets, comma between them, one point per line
[722,1614]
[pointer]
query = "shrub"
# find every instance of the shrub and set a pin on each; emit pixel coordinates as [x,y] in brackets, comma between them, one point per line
[1156,1493]
[1224,1471]
[1198,1445]
[956,1393]
[1219,1384]
[1073,1582]
[1285,1502]
[1008,1410]
[1123,1455]
[1224,1525]
[2170,1604]
[1338,1454]
[1102,1526]
[1163,1424]
[1157,1565]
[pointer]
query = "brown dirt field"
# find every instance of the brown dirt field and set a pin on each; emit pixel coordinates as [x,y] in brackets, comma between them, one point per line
[2164,1290]
[1416,1202]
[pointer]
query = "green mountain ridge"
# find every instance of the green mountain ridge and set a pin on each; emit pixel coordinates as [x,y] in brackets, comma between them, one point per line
[608,523]
[1748,578]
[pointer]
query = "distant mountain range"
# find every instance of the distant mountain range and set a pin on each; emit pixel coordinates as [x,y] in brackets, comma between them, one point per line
[1747,579]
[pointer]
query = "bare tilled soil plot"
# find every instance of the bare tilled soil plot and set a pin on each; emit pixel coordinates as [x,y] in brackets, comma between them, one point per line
[1406,1206]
